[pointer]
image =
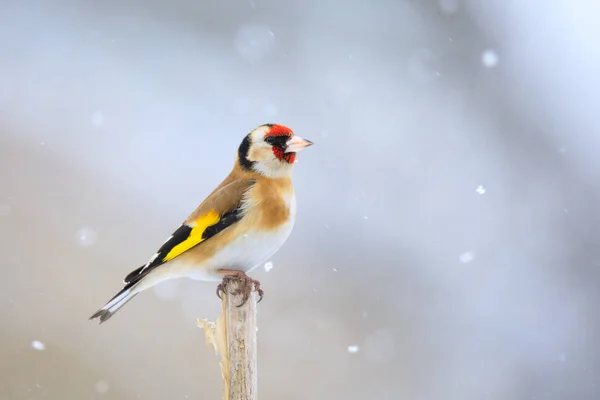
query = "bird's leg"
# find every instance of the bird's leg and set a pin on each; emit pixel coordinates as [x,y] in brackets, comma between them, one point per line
[247,284]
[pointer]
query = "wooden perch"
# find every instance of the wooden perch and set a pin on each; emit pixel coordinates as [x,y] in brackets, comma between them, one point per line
[233,336]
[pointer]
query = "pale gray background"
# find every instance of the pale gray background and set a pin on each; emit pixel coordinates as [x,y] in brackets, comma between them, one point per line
[448,214]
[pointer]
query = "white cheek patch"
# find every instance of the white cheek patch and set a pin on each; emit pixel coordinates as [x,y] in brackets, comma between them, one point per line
[258,135]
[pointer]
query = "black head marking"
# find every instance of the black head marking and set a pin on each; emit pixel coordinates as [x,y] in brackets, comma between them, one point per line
[278,141]
[243,154]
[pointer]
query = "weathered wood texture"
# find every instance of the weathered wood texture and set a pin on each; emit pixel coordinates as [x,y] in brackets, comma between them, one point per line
[233,336]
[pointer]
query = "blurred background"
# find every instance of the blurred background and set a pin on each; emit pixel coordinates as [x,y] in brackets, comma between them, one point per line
[446,245]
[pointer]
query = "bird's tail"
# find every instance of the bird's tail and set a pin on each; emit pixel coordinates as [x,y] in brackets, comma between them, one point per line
[126,294]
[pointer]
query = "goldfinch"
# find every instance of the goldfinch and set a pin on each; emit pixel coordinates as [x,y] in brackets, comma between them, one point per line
[239,226]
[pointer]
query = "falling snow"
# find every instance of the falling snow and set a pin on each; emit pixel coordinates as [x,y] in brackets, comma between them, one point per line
[419,100]
[37,345]
[467,257]
[86,237]
[489,58]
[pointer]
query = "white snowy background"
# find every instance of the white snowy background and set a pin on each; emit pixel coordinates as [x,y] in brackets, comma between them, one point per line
[447,240]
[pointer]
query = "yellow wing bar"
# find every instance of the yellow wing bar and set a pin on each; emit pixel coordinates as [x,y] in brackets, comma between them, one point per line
[195,236]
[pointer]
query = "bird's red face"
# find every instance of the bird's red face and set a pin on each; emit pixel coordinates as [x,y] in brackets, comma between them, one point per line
[271,150]
[284,143]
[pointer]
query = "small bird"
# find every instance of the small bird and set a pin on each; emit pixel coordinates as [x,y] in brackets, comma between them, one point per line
[239,226]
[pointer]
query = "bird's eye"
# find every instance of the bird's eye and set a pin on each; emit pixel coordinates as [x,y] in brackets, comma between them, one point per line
[278,141]
[271,140]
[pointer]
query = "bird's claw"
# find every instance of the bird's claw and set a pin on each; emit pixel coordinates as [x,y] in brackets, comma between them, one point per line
[222,287]
[246,286]
[260,292]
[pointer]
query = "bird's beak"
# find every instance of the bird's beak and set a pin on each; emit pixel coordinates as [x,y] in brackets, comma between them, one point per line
[296,143]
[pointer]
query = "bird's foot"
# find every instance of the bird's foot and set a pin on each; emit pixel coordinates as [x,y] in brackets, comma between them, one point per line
[246,284]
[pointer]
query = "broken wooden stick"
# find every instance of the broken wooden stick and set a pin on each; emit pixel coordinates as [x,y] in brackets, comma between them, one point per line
[233,336]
